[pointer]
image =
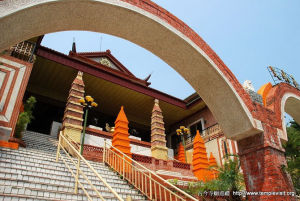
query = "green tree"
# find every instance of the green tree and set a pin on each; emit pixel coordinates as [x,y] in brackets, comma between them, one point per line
[25,117]
[229,178]
[292,153]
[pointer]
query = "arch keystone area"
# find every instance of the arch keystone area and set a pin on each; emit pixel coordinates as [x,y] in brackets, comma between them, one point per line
[153,28]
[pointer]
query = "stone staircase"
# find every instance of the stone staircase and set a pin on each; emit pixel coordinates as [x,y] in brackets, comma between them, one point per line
[32,174]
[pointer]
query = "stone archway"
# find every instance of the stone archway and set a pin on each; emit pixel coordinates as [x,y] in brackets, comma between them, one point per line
[284,98]
[290,103]
[150,26]
[155,29]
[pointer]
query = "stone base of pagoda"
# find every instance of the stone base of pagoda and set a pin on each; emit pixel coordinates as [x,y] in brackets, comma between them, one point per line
[159,152]
[74,135]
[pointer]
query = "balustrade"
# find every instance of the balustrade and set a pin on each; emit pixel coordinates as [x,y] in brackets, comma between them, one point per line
[148,182]
[207,134]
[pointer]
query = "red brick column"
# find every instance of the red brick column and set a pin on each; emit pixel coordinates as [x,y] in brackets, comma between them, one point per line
[261,159]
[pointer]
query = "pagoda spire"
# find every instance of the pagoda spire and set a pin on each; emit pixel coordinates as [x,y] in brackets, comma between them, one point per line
[74,46]
[159,149]
[72,120]
[181,156]
[213,164]
[200,161]
[120,135]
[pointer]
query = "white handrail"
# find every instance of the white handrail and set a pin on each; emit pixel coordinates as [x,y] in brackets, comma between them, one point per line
[69,168]
[147,170]
[87,163]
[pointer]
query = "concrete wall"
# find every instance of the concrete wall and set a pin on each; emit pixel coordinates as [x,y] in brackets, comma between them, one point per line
[99,142]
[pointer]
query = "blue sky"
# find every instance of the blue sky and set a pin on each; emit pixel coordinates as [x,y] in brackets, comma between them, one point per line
[247,35]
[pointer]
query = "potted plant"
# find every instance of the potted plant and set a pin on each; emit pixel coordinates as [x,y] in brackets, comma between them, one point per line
[24,119]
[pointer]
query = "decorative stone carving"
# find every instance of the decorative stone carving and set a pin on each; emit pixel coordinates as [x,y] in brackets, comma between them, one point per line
[105,62]
[248,85]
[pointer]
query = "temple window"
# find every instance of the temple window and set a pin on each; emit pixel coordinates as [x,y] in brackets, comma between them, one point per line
[198,125]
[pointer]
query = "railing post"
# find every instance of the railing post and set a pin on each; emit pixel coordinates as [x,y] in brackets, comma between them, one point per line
[123,167]
[83,130]
[77,175]
[150,178]
[104,150]
[58,147]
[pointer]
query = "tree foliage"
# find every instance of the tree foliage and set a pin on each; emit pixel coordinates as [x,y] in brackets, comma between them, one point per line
[229,178]
[292,153]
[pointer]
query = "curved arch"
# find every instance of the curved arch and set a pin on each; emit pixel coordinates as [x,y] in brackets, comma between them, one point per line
[284,98]
[153,28]
[290,103]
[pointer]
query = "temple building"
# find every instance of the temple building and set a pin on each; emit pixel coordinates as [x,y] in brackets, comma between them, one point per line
[112,85]
[142,122]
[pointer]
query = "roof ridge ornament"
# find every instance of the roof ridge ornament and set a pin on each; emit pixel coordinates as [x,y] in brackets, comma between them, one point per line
[148,77]
[278,76]
[105,61]
[80,74]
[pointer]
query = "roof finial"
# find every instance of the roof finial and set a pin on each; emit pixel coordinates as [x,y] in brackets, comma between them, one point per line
[148,77]
[74,45]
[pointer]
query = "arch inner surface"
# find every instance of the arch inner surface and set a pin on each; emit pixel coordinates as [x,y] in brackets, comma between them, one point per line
[290,103]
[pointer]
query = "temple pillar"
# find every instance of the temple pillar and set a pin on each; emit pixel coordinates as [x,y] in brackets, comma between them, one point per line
[72,120]
[159,149]
[262,158]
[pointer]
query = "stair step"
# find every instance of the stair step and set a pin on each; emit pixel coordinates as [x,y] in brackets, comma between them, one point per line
[61,193]
[67,177]
[16,191]
[32,173]
[15,197]
[47,159]
[39,164]
[9,177]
